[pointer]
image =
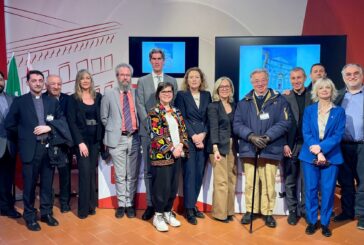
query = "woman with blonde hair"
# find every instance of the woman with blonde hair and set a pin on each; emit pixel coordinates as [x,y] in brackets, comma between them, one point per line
[87,132]
[322,128]
[222,149]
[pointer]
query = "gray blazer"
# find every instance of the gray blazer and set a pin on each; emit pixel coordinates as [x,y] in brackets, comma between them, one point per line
[4,142]
[111,115]
[145,99]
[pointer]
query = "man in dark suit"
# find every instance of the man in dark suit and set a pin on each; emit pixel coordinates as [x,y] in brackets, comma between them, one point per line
[27,119]
[317,71]
[7,158]
[145,100]
[299,98]
[54,88]
[351,99]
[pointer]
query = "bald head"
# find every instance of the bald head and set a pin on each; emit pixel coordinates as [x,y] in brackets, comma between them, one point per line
[54,85]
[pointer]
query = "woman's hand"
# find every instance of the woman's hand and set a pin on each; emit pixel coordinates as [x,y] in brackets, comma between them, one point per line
[217,156]
[315,149]
[321,159]
[83,150]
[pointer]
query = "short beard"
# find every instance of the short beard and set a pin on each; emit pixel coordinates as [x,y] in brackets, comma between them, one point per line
[124,88]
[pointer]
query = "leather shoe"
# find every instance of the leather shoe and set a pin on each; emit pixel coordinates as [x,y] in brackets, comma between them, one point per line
[120,211]
[49,220]
[230,217]
[82,216]
[311,229]
[130,212]
[246,218]
[326,231]
[270,221]
[12,213]
[65,208]
[222,220]
[148,214]
[198,213]
[292,218]
[190,216]
[360,224]
[342,217]
[33,225]
[92,212]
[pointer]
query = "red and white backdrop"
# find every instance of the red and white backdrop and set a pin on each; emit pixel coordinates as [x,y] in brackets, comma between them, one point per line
[63,37]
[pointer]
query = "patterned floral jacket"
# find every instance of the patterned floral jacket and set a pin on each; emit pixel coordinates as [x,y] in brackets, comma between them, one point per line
[161,142]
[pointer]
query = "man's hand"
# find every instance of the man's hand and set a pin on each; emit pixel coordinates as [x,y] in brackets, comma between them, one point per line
[258,141]
[83,150]
[41,129]
[287,151]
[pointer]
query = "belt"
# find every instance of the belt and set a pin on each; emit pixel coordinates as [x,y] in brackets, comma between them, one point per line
[43,141]
[127,133]
[360,142]
[91,122]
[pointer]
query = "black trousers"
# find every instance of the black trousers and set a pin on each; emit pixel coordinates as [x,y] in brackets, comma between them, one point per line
[7,175]
[193,170]
[87,198]
[65,182]
[352,198]
[294,185]
[165,186]
[39,166]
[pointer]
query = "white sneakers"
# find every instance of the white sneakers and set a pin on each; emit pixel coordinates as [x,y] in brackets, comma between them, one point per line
[171,220]
[161,220]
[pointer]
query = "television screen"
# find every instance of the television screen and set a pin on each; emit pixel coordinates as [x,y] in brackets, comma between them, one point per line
[237,57]
[181,53]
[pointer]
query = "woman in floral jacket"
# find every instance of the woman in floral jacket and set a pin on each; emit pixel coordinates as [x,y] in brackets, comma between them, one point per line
[169,142]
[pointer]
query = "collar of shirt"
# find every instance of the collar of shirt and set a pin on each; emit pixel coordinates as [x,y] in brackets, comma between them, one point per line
[361,91]
[299,93]
[155,76]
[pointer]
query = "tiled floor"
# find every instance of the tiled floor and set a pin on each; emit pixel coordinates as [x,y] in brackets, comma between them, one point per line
[104,228]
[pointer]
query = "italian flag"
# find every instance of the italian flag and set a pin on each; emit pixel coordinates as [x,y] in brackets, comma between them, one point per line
[13,83]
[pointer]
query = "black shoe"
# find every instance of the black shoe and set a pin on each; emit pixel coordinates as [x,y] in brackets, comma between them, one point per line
[65,208]
[342,217]
[82,216]
[246,218]
[119,213]
[198,213]
[130,212]
[33,225]
[12,213]
[230,217]
[292,218]
[360,224]
[92,212]
[49,220]
[311,229]
[270,221]
[222,220]
[190,216]
[148,214]
[326,231]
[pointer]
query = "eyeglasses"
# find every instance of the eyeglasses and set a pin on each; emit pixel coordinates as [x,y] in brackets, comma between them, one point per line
[354,74]
[225,87]
[167,92]
[264,81]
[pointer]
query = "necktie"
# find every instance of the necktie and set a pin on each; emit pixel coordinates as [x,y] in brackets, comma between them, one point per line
[159,79]
[126,112]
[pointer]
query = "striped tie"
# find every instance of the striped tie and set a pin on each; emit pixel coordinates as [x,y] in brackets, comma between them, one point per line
[126,111]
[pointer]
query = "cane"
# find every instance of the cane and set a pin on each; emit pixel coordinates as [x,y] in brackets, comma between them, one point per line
[257,152]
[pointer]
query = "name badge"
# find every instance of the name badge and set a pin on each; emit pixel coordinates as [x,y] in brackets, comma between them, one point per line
[264,116]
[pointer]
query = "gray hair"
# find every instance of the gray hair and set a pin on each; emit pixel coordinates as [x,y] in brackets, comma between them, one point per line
[215,92]
[320,83]
[125,65]
[351,64]
[156,50]
[259,70]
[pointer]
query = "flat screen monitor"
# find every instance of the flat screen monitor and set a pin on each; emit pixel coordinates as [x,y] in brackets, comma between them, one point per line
[181,53]
[237,57]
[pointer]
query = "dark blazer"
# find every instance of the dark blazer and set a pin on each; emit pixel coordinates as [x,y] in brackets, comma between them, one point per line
[5,141]
[220,127]
[291,99]
[195,118]
[77,120]
[334,131]
[22,119]
[63,101]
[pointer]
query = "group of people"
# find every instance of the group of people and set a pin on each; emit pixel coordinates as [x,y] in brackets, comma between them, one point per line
[316,132]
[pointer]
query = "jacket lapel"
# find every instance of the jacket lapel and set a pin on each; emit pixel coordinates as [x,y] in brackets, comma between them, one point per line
[45,107]
[116,94]
[191,100]
[32,111]
[294,106]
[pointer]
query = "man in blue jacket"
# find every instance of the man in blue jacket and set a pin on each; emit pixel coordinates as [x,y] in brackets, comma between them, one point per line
[261,120]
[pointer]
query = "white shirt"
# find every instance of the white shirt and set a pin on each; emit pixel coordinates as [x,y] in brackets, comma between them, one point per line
[155,79]
[173,129]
